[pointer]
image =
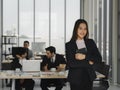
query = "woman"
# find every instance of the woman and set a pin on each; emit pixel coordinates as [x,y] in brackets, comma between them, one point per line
[81,54]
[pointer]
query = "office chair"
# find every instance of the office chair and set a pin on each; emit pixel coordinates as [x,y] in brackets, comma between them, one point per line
[103,82]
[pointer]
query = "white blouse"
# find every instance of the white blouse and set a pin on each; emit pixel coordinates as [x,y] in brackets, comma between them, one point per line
[80,44]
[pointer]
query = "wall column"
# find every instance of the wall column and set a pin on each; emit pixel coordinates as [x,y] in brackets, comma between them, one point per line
[1,17]
[0,34]
[114,40]
[118,44]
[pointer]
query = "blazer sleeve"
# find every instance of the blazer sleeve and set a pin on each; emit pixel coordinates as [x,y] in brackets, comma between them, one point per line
[15,64]
[59,60]
[93,52]
[70,57]
[62,60]
[44,62]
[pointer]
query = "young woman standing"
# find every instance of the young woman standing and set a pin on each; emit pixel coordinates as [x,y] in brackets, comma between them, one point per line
[81,54]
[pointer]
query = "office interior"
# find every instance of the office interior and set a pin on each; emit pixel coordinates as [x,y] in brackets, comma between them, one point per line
[50,22]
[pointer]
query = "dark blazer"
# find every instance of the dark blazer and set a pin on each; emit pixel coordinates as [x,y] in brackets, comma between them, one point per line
[28,83]
[75,66]
[59,59]
[15,64]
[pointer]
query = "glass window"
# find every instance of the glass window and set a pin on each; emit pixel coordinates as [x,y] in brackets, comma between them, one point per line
[25,21]
[10,17]
[10,8]
[42,22]
[72,14]
[45,25]
[57,25]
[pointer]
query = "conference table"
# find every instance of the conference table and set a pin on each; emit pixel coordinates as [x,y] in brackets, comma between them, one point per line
[10,74]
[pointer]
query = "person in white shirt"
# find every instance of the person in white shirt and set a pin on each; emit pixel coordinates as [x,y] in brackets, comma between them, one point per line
[29,52]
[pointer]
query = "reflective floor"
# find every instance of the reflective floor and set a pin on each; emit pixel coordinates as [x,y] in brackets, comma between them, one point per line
[37,87]
[65,88]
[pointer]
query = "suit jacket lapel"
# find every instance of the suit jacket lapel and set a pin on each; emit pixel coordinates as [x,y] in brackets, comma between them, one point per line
[86,43]
[74,46]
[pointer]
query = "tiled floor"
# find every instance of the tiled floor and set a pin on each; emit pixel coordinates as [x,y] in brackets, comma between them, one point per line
[113,87]
[65,88]
[37,87]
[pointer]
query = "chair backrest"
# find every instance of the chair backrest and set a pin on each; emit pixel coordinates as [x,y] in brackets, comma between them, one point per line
[105,71]
[102,68]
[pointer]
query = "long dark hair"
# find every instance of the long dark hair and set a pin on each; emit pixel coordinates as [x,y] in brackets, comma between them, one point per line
[76,26]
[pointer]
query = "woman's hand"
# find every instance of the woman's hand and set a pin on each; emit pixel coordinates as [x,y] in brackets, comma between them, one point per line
[80,56]
[91,62]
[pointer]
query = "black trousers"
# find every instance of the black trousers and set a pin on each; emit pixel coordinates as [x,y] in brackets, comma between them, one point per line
[45,83]
[82,83]
[28,84]
[88,86]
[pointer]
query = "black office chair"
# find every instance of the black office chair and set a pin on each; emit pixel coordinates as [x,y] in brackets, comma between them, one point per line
[103,82]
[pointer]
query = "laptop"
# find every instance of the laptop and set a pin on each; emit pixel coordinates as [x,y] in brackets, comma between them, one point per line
[31,65]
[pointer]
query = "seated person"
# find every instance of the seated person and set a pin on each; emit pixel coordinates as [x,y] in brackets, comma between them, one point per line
[29,52]
[52,60]
[28,84]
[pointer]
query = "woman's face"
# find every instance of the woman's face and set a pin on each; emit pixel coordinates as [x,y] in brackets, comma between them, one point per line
[82,31]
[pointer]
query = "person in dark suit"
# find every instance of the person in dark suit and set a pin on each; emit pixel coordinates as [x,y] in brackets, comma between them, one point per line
[52,60]
[29,52]
[28,84]
[81,54]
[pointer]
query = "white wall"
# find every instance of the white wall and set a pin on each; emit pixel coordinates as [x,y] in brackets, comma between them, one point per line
[114,40]
[119,45]
[88,13]
[0,34]
[0,41]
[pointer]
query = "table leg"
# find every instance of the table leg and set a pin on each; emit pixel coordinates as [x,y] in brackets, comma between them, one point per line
[13,84]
